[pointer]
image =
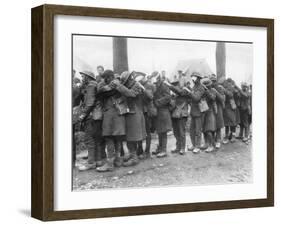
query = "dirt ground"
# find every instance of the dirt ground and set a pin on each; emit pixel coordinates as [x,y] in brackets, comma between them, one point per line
[231,164]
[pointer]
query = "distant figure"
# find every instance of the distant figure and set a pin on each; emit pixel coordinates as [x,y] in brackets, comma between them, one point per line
[100,70]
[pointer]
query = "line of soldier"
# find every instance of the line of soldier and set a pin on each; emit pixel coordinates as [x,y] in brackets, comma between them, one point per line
[130,107]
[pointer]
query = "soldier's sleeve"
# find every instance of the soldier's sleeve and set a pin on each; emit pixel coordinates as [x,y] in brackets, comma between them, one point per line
[90,98]
[166,97]
[211,94]
[103,87]
[178,91]
[220,96]
[148,93]
[197,95]
[126,92]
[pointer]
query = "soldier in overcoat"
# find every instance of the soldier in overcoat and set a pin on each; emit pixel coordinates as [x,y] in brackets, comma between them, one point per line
[244,112]
[179,115]
[220,102]
[89,110]
[162,99]
[196,115]
[77,97]
[209,116]
[101,144]
[229,113]
[150,112]
[113,124]
[134,118]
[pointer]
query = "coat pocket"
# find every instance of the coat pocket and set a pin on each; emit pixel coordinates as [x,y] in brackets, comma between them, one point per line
[232,104]
[121,105]
[203,105]
[151,110]
[97,112]
[178,111]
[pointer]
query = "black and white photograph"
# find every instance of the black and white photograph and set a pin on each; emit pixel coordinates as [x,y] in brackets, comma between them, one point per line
[158,112]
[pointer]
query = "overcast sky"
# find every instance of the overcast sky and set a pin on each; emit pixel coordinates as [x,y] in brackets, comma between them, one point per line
[148,55]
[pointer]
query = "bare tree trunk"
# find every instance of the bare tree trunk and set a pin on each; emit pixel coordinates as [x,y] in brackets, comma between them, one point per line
[120,55]
[220,60]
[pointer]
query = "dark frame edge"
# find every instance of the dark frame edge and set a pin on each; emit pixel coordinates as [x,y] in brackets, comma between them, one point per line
[158,209]
[270,111]
[37,159]
[156,15]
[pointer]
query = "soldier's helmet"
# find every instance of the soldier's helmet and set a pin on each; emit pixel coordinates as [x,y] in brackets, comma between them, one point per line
[196,74]
[213,77]
[206,82]
[89,74]
[125,76]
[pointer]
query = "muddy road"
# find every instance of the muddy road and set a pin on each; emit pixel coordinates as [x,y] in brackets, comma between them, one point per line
[231,164]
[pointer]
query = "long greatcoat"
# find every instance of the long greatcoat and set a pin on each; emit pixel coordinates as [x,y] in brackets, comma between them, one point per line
[76,96]
[229,114]
[209,117]
[220,100]
[134,119]
[237,99]
[162,100]
[148,105]
[113,123]
[149,109]
[244,108]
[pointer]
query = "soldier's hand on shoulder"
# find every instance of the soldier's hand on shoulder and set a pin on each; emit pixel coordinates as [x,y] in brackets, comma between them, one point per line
[116,82]
[113,84]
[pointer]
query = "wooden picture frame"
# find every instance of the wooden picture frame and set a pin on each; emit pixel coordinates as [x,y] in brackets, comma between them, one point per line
[42,204]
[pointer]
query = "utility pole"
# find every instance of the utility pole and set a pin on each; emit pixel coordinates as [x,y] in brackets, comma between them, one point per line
[120,55]
[220,60]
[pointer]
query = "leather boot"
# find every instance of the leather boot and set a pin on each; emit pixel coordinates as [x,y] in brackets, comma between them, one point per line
[147,143]
[118,161]
[134,160]
[127,158]
[132,146]
[158,150]
[163,151]
[108,166]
